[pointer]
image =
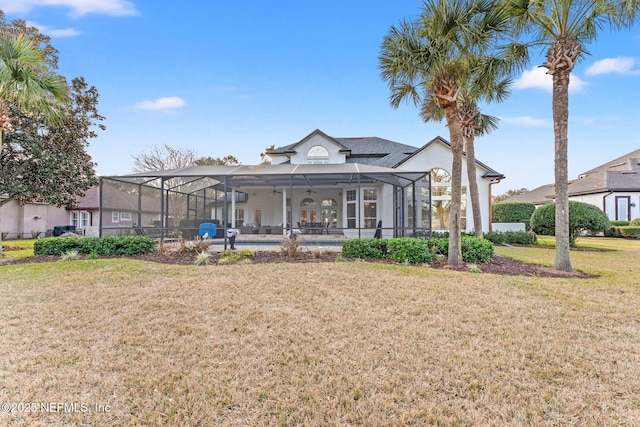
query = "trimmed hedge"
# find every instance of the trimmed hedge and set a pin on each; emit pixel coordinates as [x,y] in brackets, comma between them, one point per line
[511,237]
[111,245]
[629,231]
[634,222]
[365,248]
[476,250]
[619,223]
[512,212]
[410,249]
[417,249]
[582,217]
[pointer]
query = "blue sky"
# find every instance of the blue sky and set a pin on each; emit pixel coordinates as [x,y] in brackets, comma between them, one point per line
[235,77]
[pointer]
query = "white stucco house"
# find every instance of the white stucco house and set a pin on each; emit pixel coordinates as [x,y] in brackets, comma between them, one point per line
[320,184]
[614,187]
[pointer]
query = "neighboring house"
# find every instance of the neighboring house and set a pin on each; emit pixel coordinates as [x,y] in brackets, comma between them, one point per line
[338,185]
[30,219]
[614,187]
[120,210]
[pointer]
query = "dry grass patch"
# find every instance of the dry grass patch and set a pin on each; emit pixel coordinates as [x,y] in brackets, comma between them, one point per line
[317,344]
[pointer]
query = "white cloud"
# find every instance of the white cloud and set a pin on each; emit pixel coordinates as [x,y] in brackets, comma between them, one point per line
[525,121]
[539,79]
[55,32]
[619,65]
[162,104]
[78,7]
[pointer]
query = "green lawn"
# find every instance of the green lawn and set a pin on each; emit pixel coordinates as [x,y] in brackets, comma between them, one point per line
[323,344]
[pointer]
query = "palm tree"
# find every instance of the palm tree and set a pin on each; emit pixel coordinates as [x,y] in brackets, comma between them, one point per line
[565,27]
[428,60]
[474,123]
[26,82]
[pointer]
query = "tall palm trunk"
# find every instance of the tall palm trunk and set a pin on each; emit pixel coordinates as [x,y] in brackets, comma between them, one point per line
[473,184]
[455,135]
[469,115]
[560,122]
[561,59]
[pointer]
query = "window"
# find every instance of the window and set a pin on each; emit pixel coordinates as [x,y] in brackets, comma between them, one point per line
[433,205]
[239,217]
[74,219]
[115,216]
[317,155]
[308,213]
[84,219]
[370,207]
[125,216]
[329,212]
[351,208]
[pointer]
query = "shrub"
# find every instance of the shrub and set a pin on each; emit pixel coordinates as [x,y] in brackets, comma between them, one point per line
[202,259]
[511,237]
[476,250]
[111,245]
[229,257]
[619,223]
[630,231]
[512,212]
[365,248]
[635,222]
[291,246]
[71,255]
[410,249]
[582,217]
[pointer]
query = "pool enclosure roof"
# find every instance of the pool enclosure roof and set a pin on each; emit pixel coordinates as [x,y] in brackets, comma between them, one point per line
[195,178]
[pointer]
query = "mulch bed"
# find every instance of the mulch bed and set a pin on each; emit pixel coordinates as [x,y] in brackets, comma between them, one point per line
[499,264]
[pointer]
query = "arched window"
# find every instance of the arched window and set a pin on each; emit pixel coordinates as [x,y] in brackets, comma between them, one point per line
[308,212]
[440,176]
[317,155]
[329,202]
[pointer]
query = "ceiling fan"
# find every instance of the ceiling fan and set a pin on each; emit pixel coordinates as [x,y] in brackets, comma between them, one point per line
[309,191]
[276,191]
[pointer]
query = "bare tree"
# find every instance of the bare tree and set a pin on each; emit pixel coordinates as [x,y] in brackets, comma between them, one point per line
[164,157]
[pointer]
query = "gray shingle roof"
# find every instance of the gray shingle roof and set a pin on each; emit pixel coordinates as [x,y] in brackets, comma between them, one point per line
[376,151]
[621,174]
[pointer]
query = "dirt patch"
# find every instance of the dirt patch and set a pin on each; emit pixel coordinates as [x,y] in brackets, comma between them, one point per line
[499,265]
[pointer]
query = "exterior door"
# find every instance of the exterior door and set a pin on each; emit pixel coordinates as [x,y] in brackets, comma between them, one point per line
[623,208]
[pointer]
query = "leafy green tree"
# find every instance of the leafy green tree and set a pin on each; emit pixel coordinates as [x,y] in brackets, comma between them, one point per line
[28,83]
[49,163]
[565,27]
[228,160]
[428,60]
[582,217]
[509,193]
[264,156]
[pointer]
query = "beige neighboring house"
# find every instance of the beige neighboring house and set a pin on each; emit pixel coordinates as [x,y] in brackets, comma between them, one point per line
[614,187]
[30,219]
[39,219]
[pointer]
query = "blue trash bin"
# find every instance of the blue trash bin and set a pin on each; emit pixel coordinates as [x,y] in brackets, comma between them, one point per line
[207,229]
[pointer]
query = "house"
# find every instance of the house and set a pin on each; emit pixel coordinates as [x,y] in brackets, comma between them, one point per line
[323,184]
[614,187]
[28,220]
[120,211]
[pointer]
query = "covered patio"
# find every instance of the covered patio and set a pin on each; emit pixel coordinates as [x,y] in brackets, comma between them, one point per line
[329,200]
